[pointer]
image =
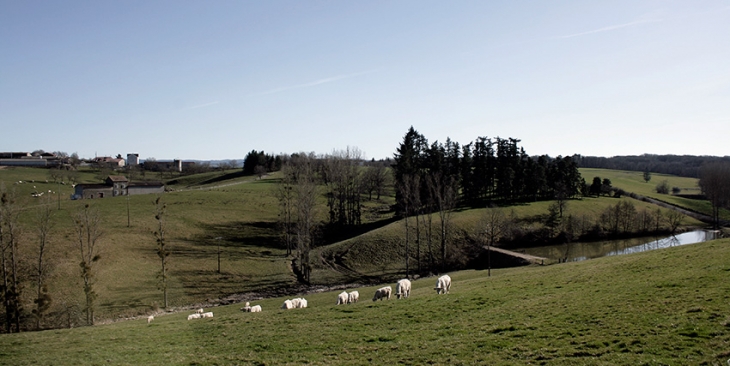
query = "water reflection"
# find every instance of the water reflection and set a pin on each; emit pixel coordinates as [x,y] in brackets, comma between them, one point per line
[573,252]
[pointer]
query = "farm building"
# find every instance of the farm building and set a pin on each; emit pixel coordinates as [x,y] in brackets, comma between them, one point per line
[116,185]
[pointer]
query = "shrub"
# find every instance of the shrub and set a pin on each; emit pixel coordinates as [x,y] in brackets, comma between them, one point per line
[663,187]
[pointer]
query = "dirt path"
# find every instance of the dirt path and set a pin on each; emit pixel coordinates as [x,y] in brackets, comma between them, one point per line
[696,215]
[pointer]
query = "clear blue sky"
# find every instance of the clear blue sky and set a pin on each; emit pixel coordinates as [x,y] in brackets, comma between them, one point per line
[216,79]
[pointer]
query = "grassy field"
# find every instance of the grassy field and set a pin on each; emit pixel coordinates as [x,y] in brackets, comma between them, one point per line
[242,212]
[634,182]
[665,307]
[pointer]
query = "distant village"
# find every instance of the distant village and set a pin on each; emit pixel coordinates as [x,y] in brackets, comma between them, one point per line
[114,185]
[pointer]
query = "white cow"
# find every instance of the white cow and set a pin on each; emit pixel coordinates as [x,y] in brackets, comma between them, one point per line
[403,288]
[256,309]
[296,302]
[150,319]
[302,303]
[353,297]
[200,311]
[443,284]
[207,315]
[194,316]
[383,293]
[287,305]
[342,298]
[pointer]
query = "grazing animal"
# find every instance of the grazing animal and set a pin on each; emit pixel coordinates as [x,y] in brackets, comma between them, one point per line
[342,298]
[287,305]
[200,311]
[403,288]
[207,315]
[353,297]
[382,293]
[443,284]
[150,319]
[302,303]
[194,316]
[296,302]
[256,309]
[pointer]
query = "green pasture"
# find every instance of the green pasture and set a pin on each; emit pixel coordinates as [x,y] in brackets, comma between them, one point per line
[208,214]
[631,181]
[664,307]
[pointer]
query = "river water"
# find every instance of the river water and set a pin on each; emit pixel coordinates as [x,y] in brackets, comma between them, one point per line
[573,252]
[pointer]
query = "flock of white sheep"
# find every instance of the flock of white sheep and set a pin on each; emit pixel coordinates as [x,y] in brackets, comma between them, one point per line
[402,290]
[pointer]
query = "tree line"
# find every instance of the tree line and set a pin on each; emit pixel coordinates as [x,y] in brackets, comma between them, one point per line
[680,165]
[321,194]
[484,170]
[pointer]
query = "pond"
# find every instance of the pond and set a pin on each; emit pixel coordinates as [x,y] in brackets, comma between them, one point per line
[573,252]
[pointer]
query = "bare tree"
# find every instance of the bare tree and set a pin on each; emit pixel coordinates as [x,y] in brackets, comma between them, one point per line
[674,219]
[44,225]
[163,251]
[260,171]
[492,226]
[715,185]
[444,193]
[405,193]
[87,224]
[9,240]
[285,194]
[305,206]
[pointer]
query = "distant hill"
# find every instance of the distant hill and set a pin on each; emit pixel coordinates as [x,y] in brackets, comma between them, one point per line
[681,165]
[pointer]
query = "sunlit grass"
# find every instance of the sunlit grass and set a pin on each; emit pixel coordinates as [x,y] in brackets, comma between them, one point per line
[669,306]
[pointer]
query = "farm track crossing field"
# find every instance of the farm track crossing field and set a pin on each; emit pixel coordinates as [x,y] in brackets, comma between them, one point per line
[670,306]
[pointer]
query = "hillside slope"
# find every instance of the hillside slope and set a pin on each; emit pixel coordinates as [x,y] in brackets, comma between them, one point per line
[670,306]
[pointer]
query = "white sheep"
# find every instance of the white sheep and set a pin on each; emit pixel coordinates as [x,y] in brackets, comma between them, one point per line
[207,315]
[287,305]
[353,297]
[443,284]
[295,303]
[302,304]
[403,288]
[193,316]
[383,293]
[342,298]
[256,309]
[150,319]
[200,311]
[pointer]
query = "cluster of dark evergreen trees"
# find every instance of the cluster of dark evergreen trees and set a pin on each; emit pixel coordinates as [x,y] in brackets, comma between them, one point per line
[257,162]
[484,170]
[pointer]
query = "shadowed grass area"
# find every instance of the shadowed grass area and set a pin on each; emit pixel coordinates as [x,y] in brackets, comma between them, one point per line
[669,306]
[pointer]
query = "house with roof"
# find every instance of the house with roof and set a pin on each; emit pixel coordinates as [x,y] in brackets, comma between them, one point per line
[116,185]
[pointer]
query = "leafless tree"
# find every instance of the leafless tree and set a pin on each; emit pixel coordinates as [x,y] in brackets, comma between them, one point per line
[341,174]
[44,225]
[444,192]
[88,227]
[9,240]
[163,251]
[674,219]
[260,171]
[285,194]
[416,208]
[301,203]
[375,179]
[715,185]
[405,193]
[492,227]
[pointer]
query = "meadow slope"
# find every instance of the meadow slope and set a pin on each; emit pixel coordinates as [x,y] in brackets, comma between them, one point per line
[665,307]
